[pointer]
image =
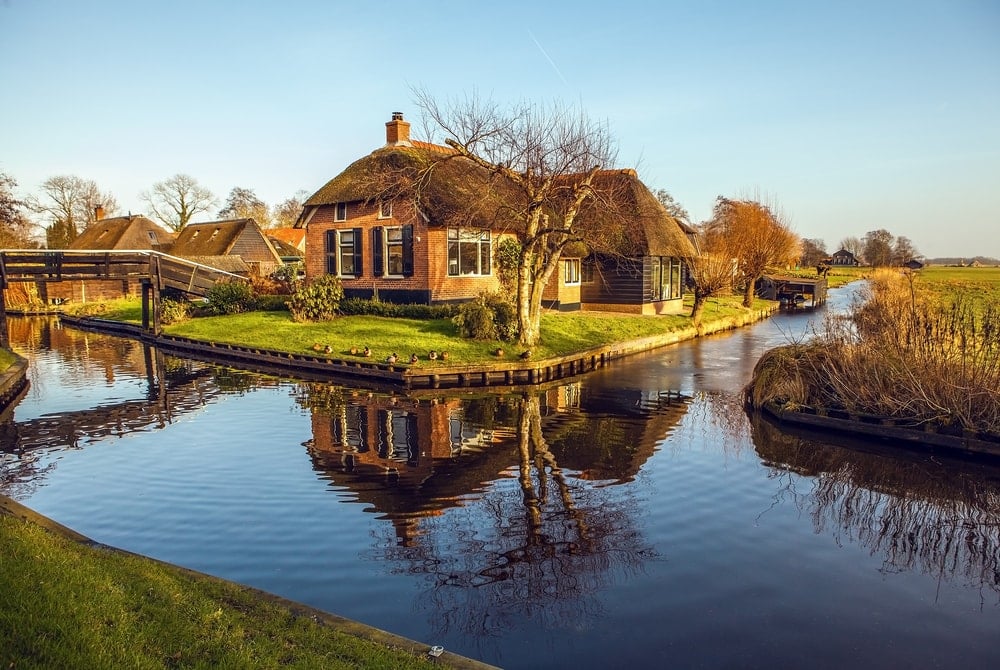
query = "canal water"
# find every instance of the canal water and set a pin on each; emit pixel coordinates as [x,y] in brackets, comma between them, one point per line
[633,516]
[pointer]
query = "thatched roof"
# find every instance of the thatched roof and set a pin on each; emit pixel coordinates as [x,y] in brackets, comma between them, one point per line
[449,189]
[123,232]
[215,238]
[232,264]
[626,219]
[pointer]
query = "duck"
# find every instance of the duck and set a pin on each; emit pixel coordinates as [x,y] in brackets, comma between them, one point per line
[413,358]
[328,349]
[317,347]
[526,354]
[433,355]
[354,351]
[498,352]
[444,355]
[368,352]
[391,358]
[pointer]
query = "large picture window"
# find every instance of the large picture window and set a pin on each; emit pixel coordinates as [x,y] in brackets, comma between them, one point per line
[468,252]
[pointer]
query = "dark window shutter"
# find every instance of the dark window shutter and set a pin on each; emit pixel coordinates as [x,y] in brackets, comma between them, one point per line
[358,245]
[378,264]
[408,251]
[331,252]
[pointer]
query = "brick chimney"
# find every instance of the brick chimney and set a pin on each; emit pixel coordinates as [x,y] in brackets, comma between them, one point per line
[397,132]
[98,212]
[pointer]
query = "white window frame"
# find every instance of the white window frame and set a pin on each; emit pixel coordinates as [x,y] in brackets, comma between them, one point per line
[385,209]
[483,238]
[340,212]
[385,250]
[340,253]
[571,271]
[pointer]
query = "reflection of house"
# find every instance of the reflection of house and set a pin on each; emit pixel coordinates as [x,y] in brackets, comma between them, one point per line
[219,244]
[125,233]
[416,222]
[843,258]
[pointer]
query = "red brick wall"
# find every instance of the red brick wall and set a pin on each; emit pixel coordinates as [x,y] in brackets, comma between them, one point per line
[430,253]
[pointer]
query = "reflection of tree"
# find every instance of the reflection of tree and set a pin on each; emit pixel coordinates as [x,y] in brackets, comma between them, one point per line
[938,516]
[536,545]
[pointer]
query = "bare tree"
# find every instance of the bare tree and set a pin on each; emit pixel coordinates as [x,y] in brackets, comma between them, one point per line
[287,212]
[674,208]
[813,252]
[175,201]
[878,248]
[854,245]
[903,251]
[243,203]
[550,158]
[71,204]
[15,227]
[757,238]
[711,271]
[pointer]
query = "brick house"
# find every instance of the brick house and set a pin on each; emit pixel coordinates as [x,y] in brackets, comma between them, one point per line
[220,243]
[120,233]
[398,224]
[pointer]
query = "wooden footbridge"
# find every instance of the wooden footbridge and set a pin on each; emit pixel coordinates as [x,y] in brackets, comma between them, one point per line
[156,271]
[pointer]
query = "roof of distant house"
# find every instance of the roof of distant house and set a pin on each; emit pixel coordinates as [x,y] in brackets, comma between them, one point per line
[132,232]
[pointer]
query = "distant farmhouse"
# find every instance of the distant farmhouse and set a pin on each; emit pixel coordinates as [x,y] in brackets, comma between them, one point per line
[844,258]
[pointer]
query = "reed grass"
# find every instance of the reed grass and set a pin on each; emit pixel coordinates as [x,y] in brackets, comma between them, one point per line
[903,353]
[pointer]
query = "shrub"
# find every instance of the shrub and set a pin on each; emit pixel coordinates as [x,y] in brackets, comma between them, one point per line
[289,277]
[490,316]
[360,306]
[317,301]
[506,258]
[174,311]
[231,298]
[272,303]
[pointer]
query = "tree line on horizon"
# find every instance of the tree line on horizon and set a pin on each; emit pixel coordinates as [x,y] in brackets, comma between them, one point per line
[67,205]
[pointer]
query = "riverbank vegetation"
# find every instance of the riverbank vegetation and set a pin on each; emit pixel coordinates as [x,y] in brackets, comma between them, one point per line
[922,348]
[71,605]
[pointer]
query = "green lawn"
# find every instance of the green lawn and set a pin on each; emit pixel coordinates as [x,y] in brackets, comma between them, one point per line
[7,358]
[977,287]
[562,333]
[69,605]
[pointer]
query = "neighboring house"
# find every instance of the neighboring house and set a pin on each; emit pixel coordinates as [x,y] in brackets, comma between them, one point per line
[388,226]
[844,258]
[289,253]
[294,237]
[211,243]
[120,233]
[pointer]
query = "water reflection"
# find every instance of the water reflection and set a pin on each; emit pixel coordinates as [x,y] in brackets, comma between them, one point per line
[928,514]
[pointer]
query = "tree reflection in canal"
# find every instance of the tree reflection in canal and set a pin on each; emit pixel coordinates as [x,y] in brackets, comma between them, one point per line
[930,514]
[526,536]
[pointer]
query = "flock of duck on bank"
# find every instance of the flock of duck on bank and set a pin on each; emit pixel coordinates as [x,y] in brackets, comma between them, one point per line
[392,358]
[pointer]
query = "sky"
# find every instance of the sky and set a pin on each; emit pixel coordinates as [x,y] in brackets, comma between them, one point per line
[850,116]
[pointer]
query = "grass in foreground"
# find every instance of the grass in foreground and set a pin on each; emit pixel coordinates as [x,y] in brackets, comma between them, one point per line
[68,605]
[7,359]
[562,333]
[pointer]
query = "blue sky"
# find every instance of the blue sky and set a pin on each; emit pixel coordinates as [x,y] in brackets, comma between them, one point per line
[852,116]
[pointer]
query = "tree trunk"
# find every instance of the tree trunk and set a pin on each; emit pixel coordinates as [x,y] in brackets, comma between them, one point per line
[749,291]
[699,307]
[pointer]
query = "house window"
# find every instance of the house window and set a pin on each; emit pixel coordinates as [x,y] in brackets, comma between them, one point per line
[394,251]
[340,212]
[675,278]
[385,209]
[343,252]
[571,271]
[468,252]
[587,273]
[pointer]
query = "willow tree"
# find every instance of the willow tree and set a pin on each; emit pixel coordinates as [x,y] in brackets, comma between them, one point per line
[757,238]
[711,270]
[549,158]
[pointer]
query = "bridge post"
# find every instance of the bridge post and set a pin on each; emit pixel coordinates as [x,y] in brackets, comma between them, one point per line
[154,277]
[4,335]
[146,288]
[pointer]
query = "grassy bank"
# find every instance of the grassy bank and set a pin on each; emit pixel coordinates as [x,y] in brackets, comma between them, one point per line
[922,347]
[562,333]
[7,358]
[69,605]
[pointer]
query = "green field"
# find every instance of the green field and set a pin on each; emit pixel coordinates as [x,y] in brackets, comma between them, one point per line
[975,287]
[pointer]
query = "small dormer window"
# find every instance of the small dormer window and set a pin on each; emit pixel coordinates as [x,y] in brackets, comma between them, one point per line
[340,213]
[215,233]
[152,235]
[385,209]
[195,234]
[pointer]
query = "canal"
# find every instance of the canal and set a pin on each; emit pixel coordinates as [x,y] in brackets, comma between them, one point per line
[631,516]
